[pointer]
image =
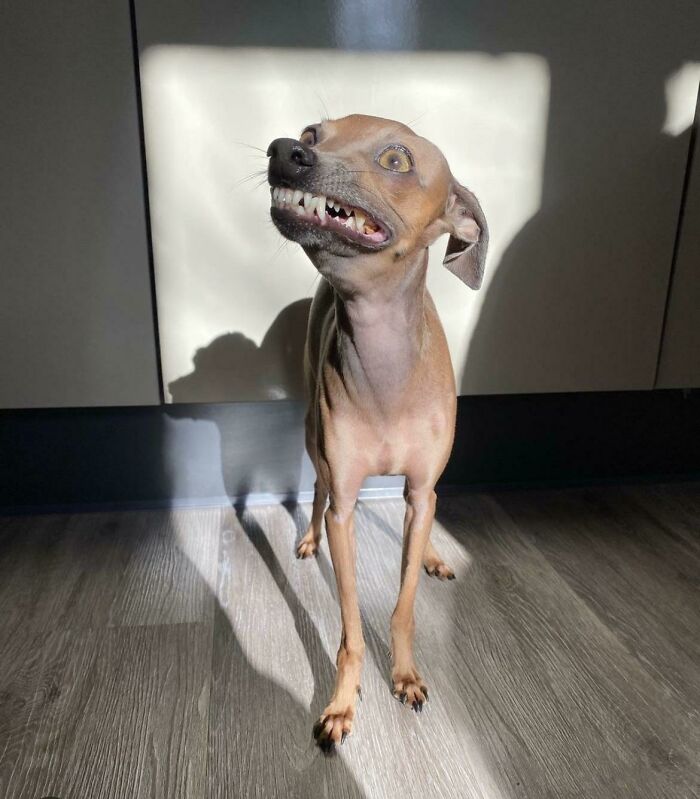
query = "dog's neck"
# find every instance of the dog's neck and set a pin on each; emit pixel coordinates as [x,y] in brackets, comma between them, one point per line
[380,324]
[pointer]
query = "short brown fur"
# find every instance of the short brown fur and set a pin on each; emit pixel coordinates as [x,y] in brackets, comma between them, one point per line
[378,371]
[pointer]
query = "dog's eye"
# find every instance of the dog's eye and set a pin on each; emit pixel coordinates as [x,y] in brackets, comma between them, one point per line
[397,159]
[308,137]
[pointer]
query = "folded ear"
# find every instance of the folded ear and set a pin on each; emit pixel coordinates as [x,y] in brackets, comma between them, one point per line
[469,236]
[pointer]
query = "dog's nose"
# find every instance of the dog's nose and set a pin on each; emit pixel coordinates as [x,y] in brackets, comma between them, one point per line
[289,160]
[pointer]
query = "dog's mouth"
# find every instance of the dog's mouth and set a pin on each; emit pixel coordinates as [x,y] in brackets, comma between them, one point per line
[334,215]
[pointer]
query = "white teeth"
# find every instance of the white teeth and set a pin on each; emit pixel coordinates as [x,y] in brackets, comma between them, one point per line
[305,203]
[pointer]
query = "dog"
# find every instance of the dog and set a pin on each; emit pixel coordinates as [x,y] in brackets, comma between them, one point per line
[365,197]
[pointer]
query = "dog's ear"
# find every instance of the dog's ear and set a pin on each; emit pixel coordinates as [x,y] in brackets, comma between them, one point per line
[469,236]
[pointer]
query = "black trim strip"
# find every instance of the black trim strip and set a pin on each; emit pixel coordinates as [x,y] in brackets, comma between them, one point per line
[679,231]
[146,196]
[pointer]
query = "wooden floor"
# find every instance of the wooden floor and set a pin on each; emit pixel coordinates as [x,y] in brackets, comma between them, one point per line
[187,654]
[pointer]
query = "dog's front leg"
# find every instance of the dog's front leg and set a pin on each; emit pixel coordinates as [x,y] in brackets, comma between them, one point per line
[420,512]
[337,719]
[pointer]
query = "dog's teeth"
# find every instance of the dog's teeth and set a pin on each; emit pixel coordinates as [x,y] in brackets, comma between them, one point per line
[350,223]
[275,193]
[307,199]
[311,204]
[290,195]
[321,208]
[299,209]
[336,206]
[359,221]
[297,196]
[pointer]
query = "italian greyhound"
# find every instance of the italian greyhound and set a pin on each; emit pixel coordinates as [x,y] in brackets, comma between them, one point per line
[365,197]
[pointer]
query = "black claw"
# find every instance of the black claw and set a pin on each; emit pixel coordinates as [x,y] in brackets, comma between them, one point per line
[451,577]
[402,698]
[327,746]
[359,692]
[425,692]
[416,705]
[343,737]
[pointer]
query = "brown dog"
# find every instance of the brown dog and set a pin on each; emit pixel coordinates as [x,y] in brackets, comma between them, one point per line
[365,197]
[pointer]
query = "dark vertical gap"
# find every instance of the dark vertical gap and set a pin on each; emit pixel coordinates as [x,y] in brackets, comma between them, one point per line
[679,231]
[146,199]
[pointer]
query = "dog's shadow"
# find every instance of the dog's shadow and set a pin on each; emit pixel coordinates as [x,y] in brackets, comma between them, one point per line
[233,367]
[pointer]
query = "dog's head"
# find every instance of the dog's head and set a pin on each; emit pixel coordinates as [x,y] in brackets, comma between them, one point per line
[364,185]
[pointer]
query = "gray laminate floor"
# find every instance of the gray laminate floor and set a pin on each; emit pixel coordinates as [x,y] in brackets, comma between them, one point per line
[187,654]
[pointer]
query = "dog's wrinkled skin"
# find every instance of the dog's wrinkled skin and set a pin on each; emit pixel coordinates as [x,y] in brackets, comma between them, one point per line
[378,371]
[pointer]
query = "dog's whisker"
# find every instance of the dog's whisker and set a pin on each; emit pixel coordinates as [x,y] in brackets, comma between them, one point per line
[259,173]
[251,146]
[324,115]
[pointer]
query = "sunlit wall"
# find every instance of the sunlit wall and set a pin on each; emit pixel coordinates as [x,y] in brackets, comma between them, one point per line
[229,291]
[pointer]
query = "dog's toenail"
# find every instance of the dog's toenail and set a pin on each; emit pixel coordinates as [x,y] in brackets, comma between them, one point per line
[343,737]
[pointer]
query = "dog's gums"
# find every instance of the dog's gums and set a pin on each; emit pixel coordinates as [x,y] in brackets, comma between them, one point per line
[332,214]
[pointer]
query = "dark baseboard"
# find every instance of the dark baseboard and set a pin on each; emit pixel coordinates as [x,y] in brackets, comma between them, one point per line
[198,454]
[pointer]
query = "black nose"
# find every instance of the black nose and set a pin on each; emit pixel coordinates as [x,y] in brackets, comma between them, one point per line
[289,161]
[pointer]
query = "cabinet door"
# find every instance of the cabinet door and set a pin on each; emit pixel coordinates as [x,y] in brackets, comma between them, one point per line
[555,117]
[679,366]
[75,309]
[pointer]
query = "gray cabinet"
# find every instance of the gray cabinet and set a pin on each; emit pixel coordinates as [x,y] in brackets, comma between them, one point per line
[76,320]
[582,224]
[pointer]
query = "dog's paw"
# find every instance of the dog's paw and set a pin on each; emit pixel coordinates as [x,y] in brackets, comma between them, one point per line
[333,727]
[437,568]
[410,690]
[308,547]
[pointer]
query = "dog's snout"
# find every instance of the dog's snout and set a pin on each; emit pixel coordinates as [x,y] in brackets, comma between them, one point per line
[289,159]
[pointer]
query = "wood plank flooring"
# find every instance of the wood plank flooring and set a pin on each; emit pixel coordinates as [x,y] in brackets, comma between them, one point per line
[188,653]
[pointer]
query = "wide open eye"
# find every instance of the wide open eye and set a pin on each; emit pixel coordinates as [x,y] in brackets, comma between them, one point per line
[395,158]
[308,137]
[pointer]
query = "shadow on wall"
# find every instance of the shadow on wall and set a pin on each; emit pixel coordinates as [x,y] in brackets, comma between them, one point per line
[261,444]
[610,177]
[233,367]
